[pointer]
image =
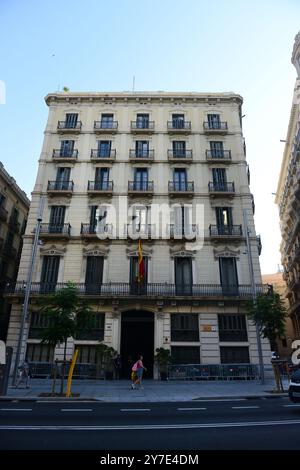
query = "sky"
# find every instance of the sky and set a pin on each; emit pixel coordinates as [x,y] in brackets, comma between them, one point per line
[169,45]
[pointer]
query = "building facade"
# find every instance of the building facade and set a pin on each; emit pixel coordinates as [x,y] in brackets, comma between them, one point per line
[169,169]
[14,207]
[288,200]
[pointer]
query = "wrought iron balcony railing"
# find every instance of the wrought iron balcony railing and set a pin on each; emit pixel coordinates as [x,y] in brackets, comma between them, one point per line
[55,229]
[105,125]
[142,125]
[94,229]
[221,187]
[218,155]
[103,153]
[177,154]
[60,186]
[100,186]
[69,126]
[68,154]
[179,125]
[140,186]
[146,154]
[215,126]
[124,289]
[187,231]
[181,187]
[225,230]
[140,230]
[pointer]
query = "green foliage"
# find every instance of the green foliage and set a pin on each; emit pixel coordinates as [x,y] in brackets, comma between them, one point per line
[104,354]
[269,314]
[66,89]
[163,356]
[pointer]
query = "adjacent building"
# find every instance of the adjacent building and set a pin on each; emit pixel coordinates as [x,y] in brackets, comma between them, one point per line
[288,200]
[14,207]
[168,169]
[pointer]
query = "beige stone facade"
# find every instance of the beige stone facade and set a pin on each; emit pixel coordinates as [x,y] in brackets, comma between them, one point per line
[288,200]
[14,207]
[103,151]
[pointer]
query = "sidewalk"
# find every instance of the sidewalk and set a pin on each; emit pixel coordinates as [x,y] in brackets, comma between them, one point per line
[154,391]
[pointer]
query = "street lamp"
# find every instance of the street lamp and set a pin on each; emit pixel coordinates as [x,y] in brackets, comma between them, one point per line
[27,289]
[253,291]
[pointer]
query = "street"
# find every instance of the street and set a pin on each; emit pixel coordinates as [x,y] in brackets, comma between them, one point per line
[204,424]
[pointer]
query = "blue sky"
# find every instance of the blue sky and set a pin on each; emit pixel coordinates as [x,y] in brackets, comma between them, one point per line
[186,45]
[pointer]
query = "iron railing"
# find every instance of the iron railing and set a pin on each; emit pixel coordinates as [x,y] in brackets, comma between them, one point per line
[106,125]
[176,231]
[215,126]
[100,185]
[140,186]
[140,231]
[61,153]
[103,153]
[94,229]
[221,187]
[55,229]
[182,187]
[65,125]
[179,125]
[14,224]
[218,154]
[124,289]
[213,372]
[142,125]
[60,186]
[226,230]
[180,153]
[143,153]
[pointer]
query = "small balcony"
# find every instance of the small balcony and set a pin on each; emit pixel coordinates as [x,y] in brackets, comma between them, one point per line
[176,188]
[222,232]
[100,187]
[188,232]
[218,156]
[184,156]
[146,155]
[55,230]
[140,188]
[56,188]
[66,127]
[215,127]
[143,231]
[100,155]
[14,225]
[3,214]
[105,127]
[142,127]
[59,155]
[221,189]
[95,230]
[179,127]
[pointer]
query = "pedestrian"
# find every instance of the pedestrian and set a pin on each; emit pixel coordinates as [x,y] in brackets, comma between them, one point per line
[138,368]
[117,366]
[23,375]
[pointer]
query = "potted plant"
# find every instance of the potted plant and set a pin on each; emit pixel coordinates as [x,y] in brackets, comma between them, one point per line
[104,358]
[163,359]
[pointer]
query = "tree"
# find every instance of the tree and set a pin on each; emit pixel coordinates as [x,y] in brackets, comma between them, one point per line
[104,357]
[163,359]
[268,313]
[68,316]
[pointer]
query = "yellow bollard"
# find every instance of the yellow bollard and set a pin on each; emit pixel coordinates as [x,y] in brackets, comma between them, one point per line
[68,392]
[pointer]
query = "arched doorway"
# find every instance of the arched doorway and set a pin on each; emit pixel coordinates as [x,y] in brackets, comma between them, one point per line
[137,337]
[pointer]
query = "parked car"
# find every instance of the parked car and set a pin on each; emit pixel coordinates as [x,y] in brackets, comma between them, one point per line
[294,388]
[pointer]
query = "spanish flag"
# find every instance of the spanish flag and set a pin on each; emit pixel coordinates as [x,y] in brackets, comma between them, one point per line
[141,263]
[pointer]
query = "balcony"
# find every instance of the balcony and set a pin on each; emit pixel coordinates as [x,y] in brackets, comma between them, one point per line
[179,127]
[98,155]
[181,189]
[55,230]
[221,189]
[140,188]
[218,156]
[3,214]
[59,155]
[137,231]
[100,187]
[141,155]
[142,127]
[188,232]
[259,244]
[185,156]
[228,232]
[61,188]
[105,127]
[152,291]
[215,127]
[14,225]
[99,231]
[67,127]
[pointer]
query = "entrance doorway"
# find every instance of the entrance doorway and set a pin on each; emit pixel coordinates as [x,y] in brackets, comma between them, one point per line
[137,337]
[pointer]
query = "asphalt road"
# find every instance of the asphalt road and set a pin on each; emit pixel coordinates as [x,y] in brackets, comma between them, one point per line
[198,425]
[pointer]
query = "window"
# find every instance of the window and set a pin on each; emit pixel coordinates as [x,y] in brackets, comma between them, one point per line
[98,218]
[216,149]
[180,179]
[141,179]
[142,121]
[38,323]
[9,241]
[102,178]
[104,148]
[107,121]
[180,218]
[62,178]
[39,353]
[219,179]
[71,120]
[140,219]
[185,354]
[178,121]
[2,200]
[142,148]
[184,327]
[213,121]
[224,220]
[15,215]
[86,354]
[232,328]
[66,148]
[94,274]
[234,355]
[183,276]
[179,148]
[57,219]
[49,273]
[96,333]
[228,276]
[135,286]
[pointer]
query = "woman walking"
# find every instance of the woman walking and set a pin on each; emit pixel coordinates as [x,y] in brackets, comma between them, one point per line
[137,373]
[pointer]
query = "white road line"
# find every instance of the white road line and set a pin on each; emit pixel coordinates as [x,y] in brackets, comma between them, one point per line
[220,399]
[244,407]
[191,409]
[135,409]
[76,409]
[244,424]
[16,409]
[291,406]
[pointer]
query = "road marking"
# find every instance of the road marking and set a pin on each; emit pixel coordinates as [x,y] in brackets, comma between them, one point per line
[291,406]
[221,399]
[16,409]
[244,407]
[76,409]
[131,427]
[135,409]
[191,409]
